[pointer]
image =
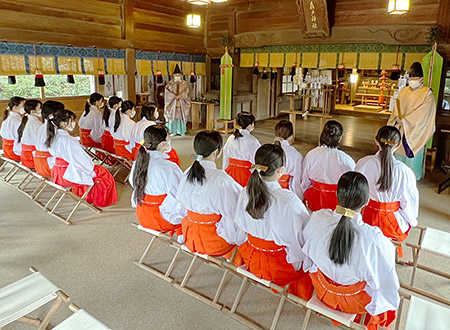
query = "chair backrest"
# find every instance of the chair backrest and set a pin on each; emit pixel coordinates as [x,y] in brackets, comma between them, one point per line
[423,314]
[24,296]
[81,320]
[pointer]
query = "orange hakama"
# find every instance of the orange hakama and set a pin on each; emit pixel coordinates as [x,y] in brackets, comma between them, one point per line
[321,196]
[267,260]
[101,195]
[121,150]
[239,170]
[41,163]
[349,299]
[149,215]
[8,146]
[26,157]
[284,181]
[108,142]
[86,140]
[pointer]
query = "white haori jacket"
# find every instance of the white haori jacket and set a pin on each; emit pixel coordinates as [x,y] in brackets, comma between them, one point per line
[163,178]
[218,195]
[137,133]
[93,121]
[124,130]
[404,188]
[41,139]
[9,129]
[282,223]
[29,136]
[293,167]
[372,259]
[243,148]
[111,120]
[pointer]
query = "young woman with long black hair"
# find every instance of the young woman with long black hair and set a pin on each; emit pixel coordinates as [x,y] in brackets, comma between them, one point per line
[210,196]
[149,116]
[109,113]
[353,264]
[12,118]
[123,126]
[273,218]
[394,198]
[43,160]
[322,168]
[90,123]
[155,180]
[73,166]
[292,176]
[27,131]
[239,151]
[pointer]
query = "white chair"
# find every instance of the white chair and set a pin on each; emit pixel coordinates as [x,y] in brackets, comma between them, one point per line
[27,295]
[80,320]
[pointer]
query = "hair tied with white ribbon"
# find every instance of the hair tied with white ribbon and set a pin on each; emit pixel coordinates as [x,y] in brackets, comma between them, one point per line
[259,168]
[345,211]
[197,157]
[50,116]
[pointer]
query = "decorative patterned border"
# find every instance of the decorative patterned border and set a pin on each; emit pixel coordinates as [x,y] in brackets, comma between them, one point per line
[157,56]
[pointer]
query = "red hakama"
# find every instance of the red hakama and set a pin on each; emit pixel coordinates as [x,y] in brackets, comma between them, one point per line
[108,142]
[284,181]
[321,196]
[41,163]
[26,157]
[267,260]
[8,152]
[349,299]
[121,150]
[86,140]
[101,195]
[150,217]
[239,170]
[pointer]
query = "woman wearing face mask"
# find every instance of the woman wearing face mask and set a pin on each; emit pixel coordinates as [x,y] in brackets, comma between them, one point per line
[11,121]
[28,129]
[73,167]
[114,104]
[123,127]
[239,151]
[155,180]
[90,123]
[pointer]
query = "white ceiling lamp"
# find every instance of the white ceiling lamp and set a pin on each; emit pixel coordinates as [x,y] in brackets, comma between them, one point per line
[193,21]
[219,1]
[398,7]
[199,2]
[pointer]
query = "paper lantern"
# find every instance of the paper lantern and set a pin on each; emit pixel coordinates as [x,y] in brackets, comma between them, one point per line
[398,7]
[193,21]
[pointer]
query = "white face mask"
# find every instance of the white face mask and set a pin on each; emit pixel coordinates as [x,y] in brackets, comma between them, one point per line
[168,147]
[414,84]
[177,78]
[132,113]
[22,111]
[71,126]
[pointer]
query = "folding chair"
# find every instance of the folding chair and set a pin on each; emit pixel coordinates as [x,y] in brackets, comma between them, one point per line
[433,241]
[165,238]
[423,314]
[80,320]
[268,286]
[27,295]
[12,171]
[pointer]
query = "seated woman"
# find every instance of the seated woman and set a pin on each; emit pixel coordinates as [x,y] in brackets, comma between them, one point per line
[43,160]
[90,123]
[155,180]
[73,167]
[109,113]
[394,198]
[27,131]
[292,176]
[322,168]
[239,151]
[273,219]
[210,196]
[12,119]
[124,124]
[353,264]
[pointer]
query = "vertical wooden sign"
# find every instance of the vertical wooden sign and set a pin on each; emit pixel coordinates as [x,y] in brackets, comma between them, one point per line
[314,18]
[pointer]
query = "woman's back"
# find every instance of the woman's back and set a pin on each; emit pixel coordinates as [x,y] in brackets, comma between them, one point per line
[30,133]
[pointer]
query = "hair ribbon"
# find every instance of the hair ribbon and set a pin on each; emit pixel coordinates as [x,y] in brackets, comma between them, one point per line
[259,168]
[390,142]
[142,142]
[50,116]
[197,157]
[25,114]
[238,127]
[345,211]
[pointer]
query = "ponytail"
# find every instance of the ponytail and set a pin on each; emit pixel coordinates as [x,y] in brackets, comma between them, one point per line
[94,97]
[196,173]
[268,159]
[87,109]
[387,137]
[243,119]
[51,132]
[237,134]
[352,194]
[22,127]
[13,102]
[283,130]
[112,101]
[6,113]
[106,114]
[117,120]
[29,106]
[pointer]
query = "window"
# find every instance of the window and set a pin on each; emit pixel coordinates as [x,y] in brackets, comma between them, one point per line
[446,98]
[288,85]
[55,86]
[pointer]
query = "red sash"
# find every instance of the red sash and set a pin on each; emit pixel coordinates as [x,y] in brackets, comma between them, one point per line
[321,196]
[41,163]
[149,215]
[86,140]
[239,170]
[26,157]
[121,150]
[284,181]
[108,142]
[8,146]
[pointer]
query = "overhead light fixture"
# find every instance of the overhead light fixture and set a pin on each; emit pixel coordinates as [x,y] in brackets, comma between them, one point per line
[199,2]
[398,7]
[193,21]
[219,1]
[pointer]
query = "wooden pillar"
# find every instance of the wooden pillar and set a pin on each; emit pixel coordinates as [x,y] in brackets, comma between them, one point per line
[131,78]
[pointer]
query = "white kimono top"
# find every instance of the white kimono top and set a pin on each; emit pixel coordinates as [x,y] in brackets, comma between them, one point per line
[293,167]
[217,195]
[124,130]
[9,129]
[163,178]
[111,120]
[41,138]
[93,121]
[137,133]
[243,148]
[325,165]
[404,189]
[81,168]
[282,223]
[29,136]
[372,259]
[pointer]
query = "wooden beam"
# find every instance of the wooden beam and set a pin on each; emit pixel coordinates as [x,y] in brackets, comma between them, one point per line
[128,22]
[131,77]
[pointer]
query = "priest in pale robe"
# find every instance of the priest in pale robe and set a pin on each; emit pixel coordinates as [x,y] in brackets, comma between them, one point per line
[177,104]
[415,115]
